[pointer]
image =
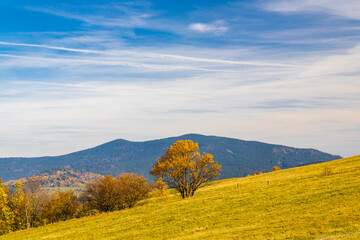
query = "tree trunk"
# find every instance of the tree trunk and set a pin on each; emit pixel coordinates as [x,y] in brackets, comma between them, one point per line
[27,218]
[183,194]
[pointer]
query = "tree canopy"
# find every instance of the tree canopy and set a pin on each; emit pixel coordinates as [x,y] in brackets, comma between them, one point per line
[110,194]
[185,168]
[6,215]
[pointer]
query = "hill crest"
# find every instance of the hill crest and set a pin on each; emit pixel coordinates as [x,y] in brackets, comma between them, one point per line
[237,157]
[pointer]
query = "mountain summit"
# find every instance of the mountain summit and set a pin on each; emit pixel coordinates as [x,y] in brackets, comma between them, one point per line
[237,157]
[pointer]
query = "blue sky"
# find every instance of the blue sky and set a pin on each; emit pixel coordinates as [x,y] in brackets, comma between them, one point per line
[75,74]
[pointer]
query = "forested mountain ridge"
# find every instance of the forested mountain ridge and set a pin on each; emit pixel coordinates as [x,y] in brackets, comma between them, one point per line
[237,157]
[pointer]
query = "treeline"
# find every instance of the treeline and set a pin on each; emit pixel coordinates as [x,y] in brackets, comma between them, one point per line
[28,205]
[62,177]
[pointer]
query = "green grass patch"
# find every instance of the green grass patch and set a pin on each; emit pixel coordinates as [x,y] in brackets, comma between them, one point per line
[76,190]
[298,203]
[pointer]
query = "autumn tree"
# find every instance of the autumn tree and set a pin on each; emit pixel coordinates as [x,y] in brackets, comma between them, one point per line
[109,194]
[102,194]
[183,167]
[276,168]
[17,203]
[6,215]
[132,188]
[161,188]
[60,207]
[35,196]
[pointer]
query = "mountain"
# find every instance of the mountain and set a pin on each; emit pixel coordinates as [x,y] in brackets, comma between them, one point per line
[62,177]
[237,157]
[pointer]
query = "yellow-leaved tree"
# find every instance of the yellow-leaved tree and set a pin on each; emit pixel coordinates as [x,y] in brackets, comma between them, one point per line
[161,188]
[184,168]
[6,215]
[60,207]
[17,203]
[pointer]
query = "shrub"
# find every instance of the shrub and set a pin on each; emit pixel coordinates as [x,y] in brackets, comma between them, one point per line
[161,188]
[132,188]
[276,168]
[256,172]
[85,210]
[110,194]
[102,194]
[60,207]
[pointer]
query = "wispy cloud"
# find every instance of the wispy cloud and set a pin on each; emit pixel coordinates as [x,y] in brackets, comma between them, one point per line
[49,47]
[347,8]
[125,17]
[251,75]
[152,55]
[217,27]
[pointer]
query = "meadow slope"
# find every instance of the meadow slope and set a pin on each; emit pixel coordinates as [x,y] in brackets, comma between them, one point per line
[298,203]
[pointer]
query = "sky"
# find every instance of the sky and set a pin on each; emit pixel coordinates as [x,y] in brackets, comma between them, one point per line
[76,74]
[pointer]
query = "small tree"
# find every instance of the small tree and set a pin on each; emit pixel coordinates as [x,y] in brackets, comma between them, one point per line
[132,188]
[6,215]
[34,197]
[276,168]
[183,167]
[60,207]
[109,194]
[17,203]
[102,194]
[161,188]
[257,172]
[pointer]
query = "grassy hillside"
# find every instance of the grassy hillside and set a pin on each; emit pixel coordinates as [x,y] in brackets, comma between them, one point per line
[299,203]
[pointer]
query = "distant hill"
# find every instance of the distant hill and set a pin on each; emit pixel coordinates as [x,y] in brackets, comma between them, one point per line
[62,177]
[237,157]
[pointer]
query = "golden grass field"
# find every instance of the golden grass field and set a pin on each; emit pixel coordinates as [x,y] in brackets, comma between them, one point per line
[298,203]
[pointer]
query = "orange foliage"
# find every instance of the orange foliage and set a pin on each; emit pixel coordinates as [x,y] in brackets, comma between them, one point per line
[109,194]
[276,168]
[183,167]
[60,207]
[161,188]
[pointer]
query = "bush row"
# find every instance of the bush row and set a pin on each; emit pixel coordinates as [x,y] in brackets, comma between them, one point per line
[29,205]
